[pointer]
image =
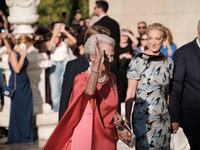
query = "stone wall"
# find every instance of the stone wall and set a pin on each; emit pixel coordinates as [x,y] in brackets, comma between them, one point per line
[180,16]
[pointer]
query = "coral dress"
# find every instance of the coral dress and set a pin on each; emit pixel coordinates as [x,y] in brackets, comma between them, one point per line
[88,122]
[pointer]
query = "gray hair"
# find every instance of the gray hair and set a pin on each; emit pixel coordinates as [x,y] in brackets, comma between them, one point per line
[89,47]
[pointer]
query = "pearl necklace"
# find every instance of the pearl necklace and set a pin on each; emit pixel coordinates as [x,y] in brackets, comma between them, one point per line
[100,80]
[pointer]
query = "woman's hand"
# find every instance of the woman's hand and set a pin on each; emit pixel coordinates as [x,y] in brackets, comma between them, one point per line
[117,119]
[125,55]
[57,30]
[175,126]
[23,52]
[98,51]
[126,33]
[62,27]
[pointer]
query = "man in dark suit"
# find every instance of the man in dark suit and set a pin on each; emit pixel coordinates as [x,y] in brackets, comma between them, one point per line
[74,68]
[185,91]
[100,10]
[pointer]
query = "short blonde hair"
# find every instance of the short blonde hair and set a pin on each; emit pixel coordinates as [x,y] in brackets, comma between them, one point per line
[157,26]
[24,39]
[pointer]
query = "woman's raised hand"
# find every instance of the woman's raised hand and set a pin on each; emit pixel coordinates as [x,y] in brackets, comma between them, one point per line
[98,51]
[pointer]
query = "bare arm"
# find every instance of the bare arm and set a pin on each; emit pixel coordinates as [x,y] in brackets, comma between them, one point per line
[49,44]
[7,44]
[17,65]
[133,39]
[70,40]
[130,95]
[5,22]
[91,85]
[169,49]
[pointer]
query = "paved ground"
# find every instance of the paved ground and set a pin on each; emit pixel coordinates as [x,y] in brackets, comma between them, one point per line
[37,145]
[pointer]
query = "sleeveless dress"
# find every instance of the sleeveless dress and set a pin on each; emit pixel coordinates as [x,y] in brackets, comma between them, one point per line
[20,126]
[151,119]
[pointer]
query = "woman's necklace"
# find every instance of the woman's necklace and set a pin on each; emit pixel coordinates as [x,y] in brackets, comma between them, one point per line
[100,80]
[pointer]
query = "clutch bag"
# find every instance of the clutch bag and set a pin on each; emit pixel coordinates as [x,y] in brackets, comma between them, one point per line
[8,91]
[126,135]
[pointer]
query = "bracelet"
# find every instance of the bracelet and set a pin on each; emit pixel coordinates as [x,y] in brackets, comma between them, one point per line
[95,71]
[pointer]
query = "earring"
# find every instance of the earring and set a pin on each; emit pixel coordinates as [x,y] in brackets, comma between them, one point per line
[164,45]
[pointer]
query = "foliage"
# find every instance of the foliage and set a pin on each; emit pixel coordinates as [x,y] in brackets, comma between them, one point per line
[51,10]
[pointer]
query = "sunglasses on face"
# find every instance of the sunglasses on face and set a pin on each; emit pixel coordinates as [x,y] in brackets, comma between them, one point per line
[141,27]
[144,39]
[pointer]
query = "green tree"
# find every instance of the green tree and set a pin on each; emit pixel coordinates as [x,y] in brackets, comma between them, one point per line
[51,10]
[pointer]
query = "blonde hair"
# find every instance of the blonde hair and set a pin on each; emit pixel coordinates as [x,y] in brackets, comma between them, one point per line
[170,37]
[157,26]
[24,39]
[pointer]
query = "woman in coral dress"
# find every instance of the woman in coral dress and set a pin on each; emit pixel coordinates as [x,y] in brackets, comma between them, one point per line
[90,120]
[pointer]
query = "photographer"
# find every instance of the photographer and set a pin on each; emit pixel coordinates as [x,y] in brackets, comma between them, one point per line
[61,53]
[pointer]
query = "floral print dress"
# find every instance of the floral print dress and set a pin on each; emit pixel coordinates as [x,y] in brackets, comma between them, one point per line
[151,119]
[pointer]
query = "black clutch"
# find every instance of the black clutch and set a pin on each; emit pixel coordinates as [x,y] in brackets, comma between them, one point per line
[8,91]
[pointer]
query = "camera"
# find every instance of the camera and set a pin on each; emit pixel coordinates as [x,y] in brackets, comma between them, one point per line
[57,25]
[2,30]
[22,46]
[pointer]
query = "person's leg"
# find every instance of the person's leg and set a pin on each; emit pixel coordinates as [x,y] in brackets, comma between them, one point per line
[190,124]
[193,138]
[54,84]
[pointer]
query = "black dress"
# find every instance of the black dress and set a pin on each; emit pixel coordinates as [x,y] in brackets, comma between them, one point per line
[122,66]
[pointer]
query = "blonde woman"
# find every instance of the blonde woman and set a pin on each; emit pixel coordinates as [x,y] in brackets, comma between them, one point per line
[20,127]
[148,76]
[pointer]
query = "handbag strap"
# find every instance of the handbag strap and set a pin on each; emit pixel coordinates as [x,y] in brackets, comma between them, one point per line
[15,81]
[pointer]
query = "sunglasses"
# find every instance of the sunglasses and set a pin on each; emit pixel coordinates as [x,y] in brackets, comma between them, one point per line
[144,39]
[142,27]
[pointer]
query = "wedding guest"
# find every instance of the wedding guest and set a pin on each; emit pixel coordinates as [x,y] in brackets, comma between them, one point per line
[142,27]
[184,96]
[61,53]
[148,76]
[124,53]
[75,67]
[100,10]
[144,44]
[90,120]
[169,47]
[20,126]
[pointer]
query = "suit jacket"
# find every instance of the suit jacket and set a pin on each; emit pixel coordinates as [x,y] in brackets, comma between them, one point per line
[112,25]
[185,86]
[72,69]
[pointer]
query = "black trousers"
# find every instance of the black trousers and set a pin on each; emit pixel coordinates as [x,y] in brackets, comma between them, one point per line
[193,137]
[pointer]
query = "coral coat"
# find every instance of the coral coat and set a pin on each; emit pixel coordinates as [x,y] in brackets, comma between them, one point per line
[104,105]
